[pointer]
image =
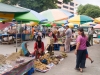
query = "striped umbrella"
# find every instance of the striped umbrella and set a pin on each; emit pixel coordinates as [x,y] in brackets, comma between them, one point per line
[97,26]
[61,22]
[31,16]
[71,25]
[80,19]
[46,25]
[56,14]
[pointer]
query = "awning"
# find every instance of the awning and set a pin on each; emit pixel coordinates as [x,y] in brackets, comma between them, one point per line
[2,26]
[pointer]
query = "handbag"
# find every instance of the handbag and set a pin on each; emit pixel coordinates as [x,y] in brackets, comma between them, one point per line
[88,44]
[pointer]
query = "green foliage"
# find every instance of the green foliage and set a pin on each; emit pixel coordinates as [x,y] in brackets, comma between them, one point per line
[89,10]
[37,5]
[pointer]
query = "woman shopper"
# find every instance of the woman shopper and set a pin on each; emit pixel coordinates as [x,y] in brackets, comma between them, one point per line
[80,50]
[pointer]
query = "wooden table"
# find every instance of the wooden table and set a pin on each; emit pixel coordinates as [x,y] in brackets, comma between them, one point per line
[20,69]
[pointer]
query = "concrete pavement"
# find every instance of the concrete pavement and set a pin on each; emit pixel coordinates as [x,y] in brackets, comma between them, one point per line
[66,67]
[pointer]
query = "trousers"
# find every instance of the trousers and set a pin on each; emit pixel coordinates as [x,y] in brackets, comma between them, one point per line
[80,58]
[67,44]
[90,39]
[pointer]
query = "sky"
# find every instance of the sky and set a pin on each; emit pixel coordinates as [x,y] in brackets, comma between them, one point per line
[94,2]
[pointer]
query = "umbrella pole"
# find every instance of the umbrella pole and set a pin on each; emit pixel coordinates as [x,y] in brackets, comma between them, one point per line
[16,37]
[21,31]
[79,25]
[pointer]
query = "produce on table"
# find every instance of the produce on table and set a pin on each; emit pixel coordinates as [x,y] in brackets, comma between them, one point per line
[39,65]
[13,57]
[64,55]
[2,59]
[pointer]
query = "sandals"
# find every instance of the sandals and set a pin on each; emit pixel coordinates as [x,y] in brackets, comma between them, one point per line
[81,70]
[92,61]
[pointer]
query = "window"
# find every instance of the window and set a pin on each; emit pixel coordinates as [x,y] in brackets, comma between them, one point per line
[65,6]
[71,8]
[71,4]
[59,2]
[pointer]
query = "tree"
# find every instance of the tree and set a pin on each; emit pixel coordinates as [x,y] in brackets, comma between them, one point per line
[37,5]
[89,10]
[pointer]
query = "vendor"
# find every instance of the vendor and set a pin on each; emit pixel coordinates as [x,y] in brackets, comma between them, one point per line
[73,37]
[24,51]
[54,36]
[38,48]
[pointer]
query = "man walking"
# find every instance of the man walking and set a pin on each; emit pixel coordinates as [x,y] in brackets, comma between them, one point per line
[68,34]
[43,32]
[90,35]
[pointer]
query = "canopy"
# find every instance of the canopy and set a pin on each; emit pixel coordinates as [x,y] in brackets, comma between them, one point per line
[2,26]
[56,14]
[88,24]
[4,8]
[61,22]
[31,16]
[71,25]
[2,19]
[97,26]
[97,20]
[46,25]
[8,12]
[80,19]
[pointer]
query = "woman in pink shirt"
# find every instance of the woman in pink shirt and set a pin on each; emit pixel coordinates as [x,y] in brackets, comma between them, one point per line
[80,50]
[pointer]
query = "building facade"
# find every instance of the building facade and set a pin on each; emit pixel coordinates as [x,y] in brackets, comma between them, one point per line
[70,6]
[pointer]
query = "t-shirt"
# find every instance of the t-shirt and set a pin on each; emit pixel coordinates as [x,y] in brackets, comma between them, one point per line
[68,33]
[82,41]
[91,32]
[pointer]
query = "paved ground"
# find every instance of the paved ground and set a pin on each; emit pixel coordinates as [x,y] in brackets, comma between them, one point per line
[66,67]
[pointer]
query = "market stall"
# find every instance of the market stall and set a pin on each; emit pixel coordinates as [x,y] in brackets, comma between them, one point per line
[15,65]
[60,43]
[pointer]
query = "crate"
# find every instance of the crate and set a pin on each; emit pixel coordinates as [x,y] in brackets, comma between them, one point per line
[31,71]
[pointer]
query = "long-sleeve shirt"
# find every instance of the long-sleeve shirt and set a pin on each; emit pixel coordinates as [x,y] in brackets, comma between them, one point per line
[36,46]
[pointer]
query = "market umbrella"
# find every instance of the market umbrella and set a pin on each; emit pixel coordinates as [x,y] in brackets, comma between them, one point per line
[33,23]
[80,19]
[88,24]
[5,8]
[30,16]
[97,20]
[2,19]
[46,25]
[9,12]
[61,22]
[56,14]
[97,26]
[71,25]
